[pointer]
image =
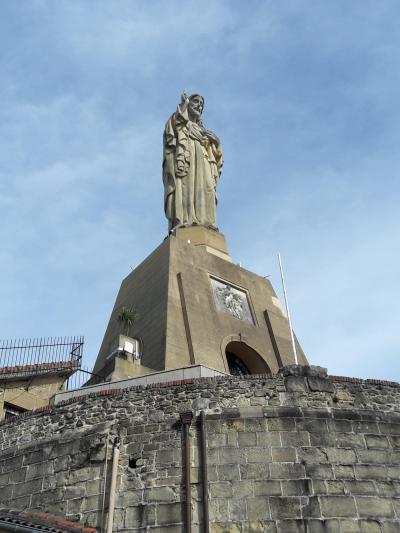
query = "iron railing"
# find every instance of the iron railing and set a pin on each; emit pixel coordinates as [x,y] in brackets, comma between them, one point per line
[40,354]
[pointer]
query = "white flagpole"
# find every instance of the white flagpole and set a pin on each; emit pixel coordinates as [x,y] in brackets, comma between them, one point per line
[287,311]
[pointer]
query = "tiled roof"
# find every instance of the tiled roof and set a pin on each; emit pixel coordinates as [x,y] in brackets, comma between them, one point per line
[42,522]
[53,366]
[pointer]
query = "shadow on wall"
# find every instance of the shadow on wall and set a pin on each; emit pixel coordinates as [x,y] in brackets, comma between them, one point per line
[242,360]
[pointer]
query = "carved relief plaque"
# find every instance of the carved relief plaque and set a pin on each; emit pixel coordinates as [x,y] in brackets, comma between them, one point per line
[231,300]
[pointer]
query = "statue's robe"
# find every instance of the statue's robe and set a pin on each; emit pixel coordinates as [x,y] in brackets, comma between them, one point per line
[190,192]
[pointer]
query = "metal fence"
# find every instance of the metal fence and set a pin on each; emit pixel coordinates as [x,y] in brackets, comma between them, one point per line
[78,379]
[42,352]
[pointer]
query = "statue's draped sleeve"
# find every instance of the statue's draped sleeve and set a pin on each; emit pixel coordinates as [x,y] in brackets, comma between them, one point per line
[175,149]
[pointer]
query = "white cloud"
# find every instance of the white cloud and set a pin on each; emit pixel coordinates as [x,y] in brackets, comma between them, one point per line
[306,103]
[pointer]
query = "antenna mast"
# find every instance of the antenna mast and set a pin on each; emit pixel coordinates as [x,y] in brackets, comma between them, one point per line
[287,310]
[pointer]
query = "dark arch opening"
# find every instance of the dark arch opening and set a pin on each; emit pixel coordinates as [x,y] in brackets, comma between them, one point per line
[244,360]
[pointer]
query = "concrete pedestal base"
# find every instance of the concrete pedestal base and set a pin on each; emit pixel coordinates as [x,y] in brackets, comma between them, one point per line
[197,308]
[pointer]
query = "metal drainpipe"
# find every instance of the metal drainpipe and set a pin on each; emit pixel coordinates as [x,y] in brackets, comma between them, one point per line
[186,419]
[114,472]
[204,475]
[103,504]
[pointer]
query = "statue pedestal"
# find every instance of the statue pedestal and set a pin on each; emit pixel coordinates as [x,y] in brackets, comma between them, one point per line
[211,241]
[195,307]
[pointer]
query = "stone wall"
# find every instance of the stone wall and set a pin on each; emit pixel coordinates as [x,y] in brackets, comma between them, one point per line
[298,452]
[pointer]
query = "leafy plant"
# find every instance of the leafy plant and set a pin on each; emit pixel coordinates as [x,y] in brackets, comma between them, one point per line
[126,317]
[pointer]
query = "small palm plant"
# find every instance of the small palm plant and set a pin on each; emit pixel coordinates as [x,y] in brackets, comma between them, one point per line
[126,317]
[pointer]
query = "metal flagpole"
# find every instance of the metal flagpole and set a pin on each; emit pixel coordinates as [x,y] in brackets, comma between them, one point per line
[287,311]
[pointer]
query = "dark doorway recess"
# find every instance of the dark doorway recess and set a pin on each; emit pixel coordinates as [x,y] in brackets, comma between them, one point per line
[242,360]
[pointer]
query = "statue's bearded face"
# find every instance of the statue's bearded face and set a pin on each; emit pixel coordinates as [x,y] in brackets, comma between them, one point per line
[196,104]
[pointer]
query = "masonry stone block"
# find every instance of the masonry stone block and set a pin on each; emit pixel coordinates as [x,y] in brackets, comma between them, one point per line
[318,471]
[293,438]
[225,527]
[335,486]
[267,487]
[393,472]
[376,441]
[281,424]
[338,506]
[254,471]
[6,493]
[311,507]
[285,507]
[374,507]
[344,471]
[318,384]
[296,384]
[322,440]
[160,494]
[259,526]
[12,463]
[221,489]
[228,472]
[297,487]
[242,489]
[141,514]
[258,508]
[342,456]
[312,455]
[284,454]
[237,510]
[75,491]
[38,470]
[324,526]
[360,487]
[218,510]
[29,487]
[291,526]
[247,438]
[390,527]
[349,440]
[351,526]
[169,513]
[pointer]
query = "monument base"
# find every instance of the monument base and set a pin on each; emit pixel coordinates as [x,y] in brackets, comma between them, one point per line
[195,307]
[211,241]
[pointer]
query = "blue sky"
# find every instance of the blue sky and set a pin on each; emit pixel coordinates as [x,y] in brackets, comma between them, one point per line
[305,97]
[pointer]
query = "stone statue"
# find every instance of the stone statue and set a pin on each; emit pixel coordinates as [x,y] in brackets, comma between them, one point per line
[191,167]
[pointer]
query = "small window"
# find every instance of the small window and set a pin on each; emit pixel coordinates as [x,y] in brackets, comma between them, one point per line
[11,410]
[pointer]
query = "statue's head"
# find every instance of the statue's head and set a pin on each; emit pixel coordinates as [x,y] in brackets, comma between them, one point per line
[196,105]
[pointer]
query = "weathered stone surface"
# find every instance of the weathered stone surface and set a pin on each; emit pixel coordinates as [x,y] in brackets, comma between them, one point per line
[308,466]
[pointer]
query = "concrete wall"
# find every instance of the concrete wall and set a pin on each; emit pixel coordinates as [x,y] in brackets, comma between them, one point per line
[29,392]
[296,453]
[178,322]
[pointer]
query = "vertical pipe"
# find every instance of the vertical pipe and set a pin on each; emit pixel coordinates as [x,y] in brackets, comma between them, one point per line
[114,472]
[204,474]
[186,419]
[287,310]
[103,504]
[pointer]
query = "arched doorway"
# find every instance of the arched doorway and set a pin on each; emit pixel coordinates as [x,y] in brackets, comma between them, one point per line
[242,359]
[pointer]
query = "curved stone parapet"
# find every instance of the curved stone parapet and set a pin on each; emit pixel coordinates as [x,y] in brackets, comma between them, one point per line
[297,452]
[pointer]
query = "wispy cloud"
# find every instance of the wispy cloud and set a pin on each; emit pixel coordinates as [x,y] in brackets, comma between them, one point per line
[306,101]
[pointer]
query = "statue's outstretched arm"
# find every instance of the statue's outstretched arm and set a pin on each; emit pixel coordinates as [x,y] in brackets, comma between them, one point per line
[184,102]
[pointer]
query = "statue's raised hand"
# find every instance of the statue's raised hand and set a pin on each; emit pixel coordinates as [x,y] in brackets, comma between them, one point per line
[184,99]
